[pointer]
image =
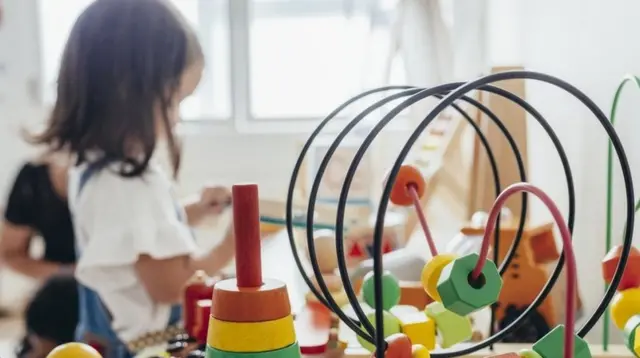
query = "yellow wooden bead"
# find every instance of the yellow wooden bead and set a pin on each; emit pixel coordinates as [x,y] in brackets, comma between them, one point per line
[74,350]
[420,329]
[431,274]
[419,351]
[251,336]
[625,304]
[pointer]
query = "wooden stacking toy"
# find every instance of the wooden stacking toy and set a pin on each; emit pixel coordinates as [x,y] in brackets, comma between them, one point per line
[250,316]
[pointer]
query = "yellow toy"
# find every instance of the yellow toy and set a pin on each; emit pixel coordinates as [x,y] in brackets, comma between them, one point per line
[74,350]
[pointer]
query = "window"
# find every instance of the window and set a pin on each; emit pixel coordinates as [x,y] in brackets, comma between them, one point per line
[266,59]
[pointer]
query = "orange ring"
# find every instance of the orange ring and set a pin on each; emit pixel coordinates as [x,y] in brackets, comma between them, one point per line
[268,302]
[407,175]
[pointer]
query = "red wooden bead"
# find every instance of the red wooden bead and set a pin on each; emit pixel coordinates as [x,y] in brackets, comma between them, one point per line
[399,346]
[631,276]
[407,176]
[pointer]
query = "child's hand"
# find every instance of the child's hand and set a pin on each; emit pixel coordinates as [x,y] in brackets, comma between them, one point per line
[215,199]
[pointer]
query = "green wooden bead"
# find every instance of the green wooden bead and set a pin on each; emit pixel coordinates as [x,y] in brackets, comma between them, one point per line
[391,326]
[528,353]
[552,345]
[452,328]
[460,293]
[390,290]
[630,330]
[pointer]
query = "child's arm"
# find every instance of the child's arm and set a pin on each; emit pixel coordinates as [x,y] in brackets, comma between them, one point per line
[212,201]
[14,250]
[165,279]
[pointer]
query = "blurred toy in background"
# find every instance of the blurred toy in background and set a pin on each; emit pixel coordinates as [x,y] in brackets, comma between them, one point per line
[74,350]
[530,265]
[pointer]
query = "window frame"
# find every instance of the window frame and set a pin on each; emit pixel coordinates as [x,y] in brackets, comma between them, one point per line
[240,118]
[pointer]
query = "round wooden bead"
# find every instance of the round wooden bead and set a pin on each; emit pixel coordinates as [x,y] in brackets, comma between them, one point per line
[632,334]
[419,351]
[398,346]
[325,247]
[74,350]
[407,176]
[625,304]
[463,295]
[431,274]
[631,276]
[390,290]
[529,353]
[391,326]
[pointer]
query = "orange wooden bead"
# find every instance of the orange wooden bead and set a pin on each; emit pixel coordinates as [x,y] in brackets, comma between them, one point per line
[407,176]
[631,276]
[398,346]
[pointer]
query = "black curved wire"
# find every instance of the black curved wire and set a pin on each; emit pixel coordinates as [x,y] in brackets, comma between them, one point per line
[481,84]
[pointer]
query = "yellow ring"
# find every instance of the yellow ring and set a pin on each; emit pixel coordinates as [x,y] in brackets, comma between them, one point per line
[431,273]
[251,336]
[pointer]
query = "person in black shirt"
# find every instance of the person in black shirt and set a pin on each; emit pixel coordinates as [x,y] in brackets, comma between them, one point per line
[37,206]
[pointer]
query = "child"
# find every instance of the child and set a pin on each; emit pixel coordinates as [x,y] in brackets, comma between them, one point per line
[51,316]
[126,67]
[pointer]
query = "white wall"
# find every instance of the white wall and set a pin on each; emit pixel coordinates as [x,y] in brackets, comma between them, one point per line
[591,44]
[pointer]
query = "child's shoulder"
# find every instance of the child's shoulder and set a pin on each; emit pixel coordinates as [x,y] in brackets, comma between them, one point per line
[108,183]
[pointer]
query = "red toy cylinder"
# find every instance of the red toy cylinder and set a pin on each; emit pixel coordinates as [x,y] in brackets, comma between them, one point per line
[200,287]
[246,224]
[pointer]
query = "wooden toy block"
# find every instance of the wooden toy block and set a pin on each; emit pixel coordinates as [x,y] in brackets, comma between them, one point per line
[631,332]
[551,345]
[313,326]
[417,326]
[631,276]
[391,326]
[340,297]
[291,351]
[407,176]
[201,325]
[234,303]
[624,306]
[398,346]
[74,350]
[332,281]
[528,353]
[431,274]
[325,249]
[251,336]
[199,287]
[419,351]
[390,290]
[452,328]
[462,294]
[413,294]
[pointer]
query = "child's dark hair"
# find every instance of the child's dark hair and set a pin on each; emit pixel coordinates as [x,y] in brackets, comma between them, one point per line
[53,310]
[123,61]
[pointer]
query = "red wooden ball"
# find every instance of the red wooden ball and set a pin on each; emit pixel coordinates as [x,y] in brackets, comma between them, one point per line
[631,276]
[407,176]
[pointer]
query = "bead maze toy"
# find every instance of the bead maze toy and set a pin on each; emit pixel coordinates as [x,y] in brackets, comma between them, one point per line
[459,285]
